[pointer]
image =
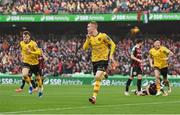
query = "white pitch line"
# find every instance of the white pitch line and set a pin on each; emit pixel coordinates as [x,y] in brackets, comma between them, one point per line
[85,107]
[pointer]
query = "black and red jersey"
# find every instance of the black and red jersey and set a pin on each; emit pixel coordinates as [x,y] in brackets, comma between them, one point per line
[137,52]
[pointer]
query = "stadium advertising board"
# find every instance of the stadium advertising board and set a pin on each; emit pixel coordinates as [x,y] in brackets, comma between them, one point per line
[121,81]
[164,16]
[87,17]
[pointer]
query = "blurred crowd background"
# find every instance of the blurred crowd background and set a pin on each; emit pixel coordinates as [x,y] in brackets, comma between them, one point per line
[86,6]
[66,56]
[65,51]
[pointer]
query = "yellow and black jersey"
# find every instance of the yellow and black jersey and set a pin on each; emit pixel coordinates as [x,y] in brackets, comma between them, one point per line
[101,45]
[159,57]
[31,57]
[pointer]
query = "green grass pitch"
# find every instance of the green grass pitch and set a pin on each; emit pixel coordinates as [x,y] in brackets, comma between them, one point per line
[74,100]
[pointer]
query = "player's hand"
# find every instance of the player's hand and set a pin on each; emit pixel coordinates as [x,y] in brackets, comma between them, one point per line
[22,58]
[152,65]
[166,59]
[140,61]
[112,59]
[87,36]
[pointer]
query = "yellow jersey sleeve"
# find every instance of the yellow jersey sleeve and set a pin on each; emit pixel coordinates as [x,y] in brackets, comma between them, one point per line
[36,50]
[110,42]
[86,44]
[165,50]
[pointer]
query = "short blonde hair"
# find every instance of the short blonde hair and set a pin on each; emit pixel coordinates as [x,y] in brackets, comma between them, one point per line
[94,23]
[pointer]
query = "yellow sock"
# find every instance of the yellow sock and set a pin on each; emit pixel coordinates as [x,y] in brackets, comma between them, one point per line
[102,75]
[28,80]
[39,82]
[158,86]
[96,88]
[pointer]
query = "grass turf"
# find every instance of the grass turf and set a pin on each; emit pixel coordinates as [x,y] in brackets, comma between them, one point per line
[74,100]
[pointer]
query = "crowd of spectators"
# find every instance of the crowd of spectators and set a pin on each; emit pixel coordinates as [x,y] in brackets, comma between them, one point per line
[66,56]
[87,6]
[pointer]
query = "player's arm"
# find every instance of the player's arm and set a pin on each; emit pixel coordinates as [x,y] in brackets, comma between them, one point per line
[167,51]
[87,43]
[147,90]
[44,57]
[133,57]
[112,46]
[37,50]
[20,46]
[150,59]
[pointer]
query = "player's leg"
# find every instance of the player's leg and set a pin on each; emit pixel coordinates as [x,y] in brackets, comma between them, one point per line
[128,83]
[157,79]
[39,85]
[99,72]
[20,89]
[98,78]
[32,82]
[25,73]
[139,80]
[105,75]
[166,82]
[23,84]
[37,72]
[96,85]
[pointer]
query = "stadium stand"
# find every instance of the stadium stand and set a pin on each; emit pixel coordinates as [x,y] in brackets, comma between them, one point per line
[66,54]
[87,6]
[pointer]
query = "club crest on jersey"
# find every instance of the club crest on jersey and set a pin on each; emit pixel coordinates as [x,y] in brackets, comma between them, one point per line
[99,39]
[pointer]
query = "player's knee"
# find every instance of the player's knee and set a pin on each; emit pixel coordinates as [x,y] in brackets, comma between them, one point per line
[25,72]
[157,76]
[97,78]
[37,79]
[99,75]
[25,75]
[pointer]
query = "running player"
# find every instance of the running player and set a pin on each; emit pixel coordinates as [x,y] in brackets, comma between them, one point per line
[102,48]
[158,58]
[30,53]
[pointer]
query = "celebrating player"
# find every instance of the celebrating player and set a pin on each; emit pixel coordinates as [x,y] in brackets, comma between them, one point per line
[158,58]
[30,53]
[102,48]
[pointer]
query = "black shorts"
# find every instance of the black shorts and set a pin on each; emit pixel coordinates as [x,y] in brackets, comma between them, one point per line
[163,71]
[134,71]
[33,69]
[100,65]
